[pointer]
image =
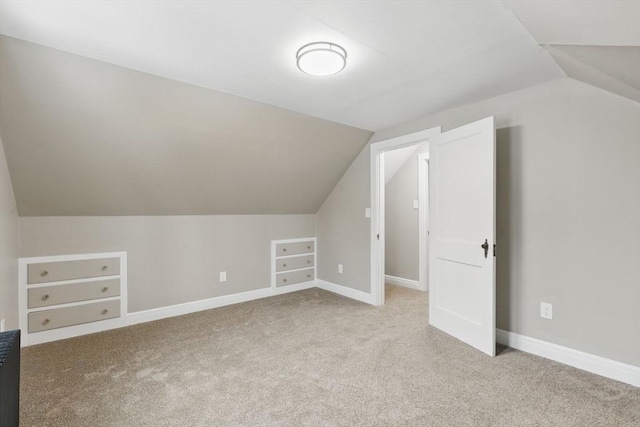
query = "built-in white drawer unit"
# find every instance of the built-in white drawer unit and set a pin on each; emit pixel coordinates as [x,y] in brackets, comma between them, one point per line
[75,315]
[293,277]
[44,272]
[293,262]
[295,248]
[73,292]
[70,295]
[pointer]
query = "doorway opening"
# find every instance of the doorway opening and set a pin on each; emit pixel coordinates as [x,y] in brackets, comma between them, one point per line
[406,217]
[415,144]
[461,225]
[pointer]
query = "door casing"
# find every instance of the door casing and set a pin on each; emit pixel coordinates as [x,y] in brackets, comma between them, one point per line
[377,203]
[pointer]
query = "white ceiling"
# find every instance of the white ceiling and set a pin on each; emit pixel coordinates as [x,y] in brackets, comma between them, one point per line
[406,58]
[581,22]
[596,41]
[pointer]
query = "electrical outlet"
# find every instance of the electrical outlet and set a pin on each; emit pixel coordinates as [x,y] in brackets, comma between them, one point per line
[223,276]
[415,204]
[340,268]
[546,310]
[367,212]
[2,326]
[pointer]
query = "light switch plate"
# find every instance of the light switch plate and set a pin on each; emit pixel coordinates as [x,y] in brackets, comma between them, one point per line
[2,325]
[340,269]
[223,276]
[367,212]
[415,204]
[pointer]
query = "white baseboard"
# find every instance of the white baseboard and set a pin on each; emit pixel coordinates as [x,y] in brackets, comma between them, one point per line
[588,362]
[399,281]
[345,291]
[294,288]
[72,331]
[207,304]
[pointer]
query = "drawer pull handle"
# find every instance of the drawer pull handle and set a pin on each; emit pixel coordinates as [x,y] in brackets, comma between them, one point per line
[44,273]
[105,311]
[45,321]
[45,297]
[284,280]
[284,265]
[284,249]
[308,275]
[104,268]
[308,261]
[105,289]
[308,247]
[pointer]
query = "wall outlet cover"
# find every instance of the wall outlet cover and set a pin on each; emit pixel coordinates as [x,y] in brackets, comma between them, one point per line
[546,310]
[223,276]
[367,212]
[340,269]
[415,204]
[2,325]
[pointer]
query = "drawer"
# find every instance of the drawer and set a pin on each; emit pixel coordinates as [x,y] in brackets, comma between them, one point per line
[66,270]
[76,315]
[284,279]
[285,264]
[74,292]
[284,249]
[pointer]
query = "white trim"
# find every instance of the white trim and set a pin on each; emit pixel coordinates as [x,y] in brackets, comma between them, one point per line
[73,304]
[72,281]
[75,330]
[72,257]
[588,362]
[346,292]
[296,240]
[400,281]
[377,203]
[275,258]
[72,331]
[294,256]
[294,288]
[423,220]
[194,306]
[211,303]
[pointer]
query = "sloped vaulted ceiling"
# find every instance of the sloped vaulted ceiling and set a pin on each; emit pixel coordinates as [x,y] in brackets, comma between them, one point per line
[177,111]
[596,41]
[196,107]
[83,137]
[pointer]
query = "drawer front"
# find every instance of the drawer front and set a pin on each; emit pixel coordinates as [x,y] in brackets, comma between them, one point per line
[66,270]
[284,279]
[283,249]
[69,316]
[61,294]
[286,264]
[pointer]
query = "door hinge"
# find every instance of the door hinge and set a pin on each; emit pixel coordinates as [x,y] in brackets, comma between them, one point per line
[378,236]
[494,249]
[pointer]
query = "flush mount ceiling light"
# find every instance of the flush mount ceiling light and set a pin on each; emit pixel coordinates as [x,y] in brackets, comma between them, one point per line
[321,58]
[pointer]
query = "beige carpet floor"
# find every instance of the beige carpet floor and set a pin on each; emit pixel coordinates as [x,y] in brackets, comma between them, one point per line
[309,358]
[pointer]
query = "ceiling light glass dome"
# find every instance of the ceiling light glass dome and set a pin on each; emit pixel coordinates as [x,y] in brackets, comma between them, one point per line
[321,58]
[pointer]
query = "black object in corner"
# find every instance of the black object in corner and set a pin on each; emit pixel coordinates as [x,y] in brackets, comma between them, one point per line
[9,378]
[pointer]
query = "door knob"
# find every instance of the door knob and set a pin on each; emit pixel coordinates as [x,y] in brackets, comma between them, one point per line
[485,246]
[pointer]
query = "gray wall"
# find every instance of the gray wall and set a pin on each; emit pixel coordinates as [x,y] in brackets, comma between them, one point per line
[107,140]
[343,230]
[172,259]
[568,213]
[9,244]
[401,220]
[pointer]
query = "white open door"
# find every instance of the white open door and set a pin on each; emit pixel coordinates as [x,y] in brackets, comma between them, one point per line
[462,234]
